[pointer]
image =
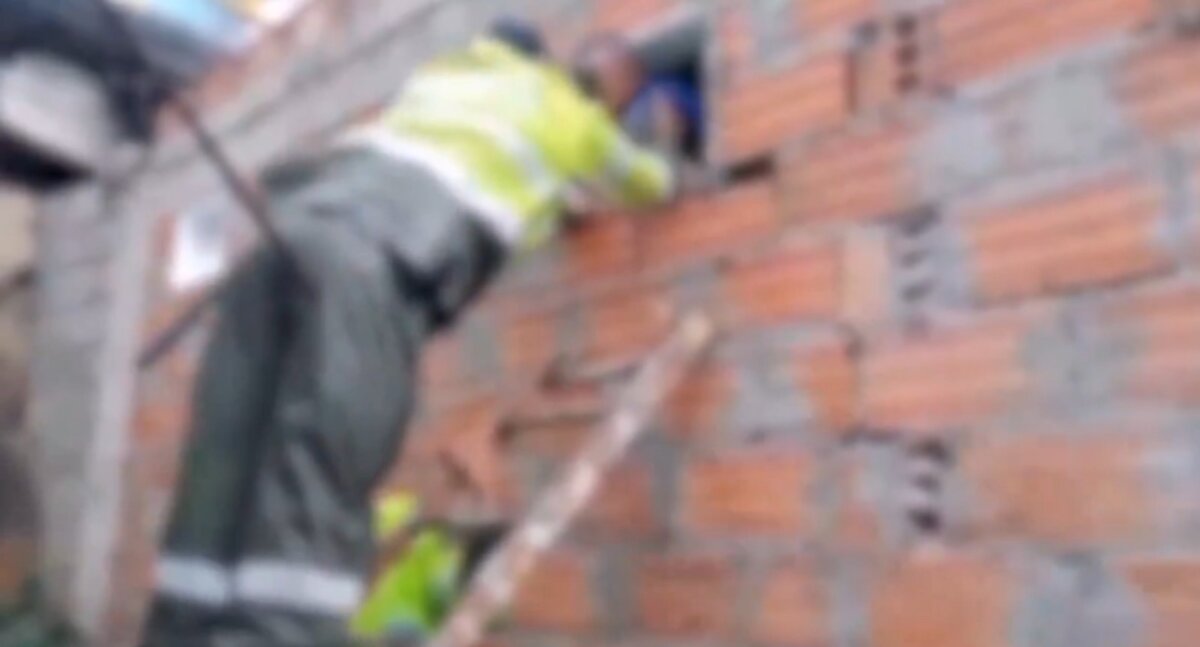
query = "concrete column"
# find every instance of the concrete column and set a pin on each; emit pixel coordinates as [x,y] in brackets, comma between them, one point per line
[90,268]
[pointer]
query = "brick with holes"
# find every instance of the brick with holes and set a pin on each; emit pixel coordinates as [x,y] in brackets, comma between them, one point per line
[557,595]
[760,112]
[950,376]
[760,492]
[685,595]
[867,274]
[624,15]
[798,280]
[623,507]
[1160,84]
[736,38]
[795,607]
[711,226]
[1170,591]
[530,342]
[698,406]
[827,375]
[892,60]
[986,37]
[859,176]
[604,247]
[818,16]
[1094,488]
[625,323]
[1156,337]
[941,601]
[1102,232]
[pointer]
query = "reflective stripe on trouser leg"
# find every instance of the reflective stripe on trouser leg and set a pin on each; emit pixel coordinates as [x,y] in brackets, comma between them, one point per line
[194,580]
[233,396]
[336,423]
[297,587]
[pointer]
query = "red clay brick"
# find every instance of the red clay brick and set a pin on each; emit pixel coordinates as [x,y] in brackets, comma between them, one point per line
[736,38]
[866,279]
[947,378]
[624,15]
[554,439]
[855,177]
[162,418]
[896,63]
[984,37]
[156,466]
[857,526]
[762,112]
[556,596]
[1170,589]
[827,374]
[529,343]
[1161,86]
[468,448]
[754,493]
[816,16]
[795,608]
[1160,330]
[949,601]
[696,406]
[798,281]
[1061,489]
[602,248]
[705,227]
[685,596]
[441,364]
[627,323]
[1092,235]
[624,506]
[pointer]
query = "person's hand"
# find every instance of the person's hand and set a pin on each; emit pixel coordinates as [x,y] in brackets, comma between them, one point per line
[668,127]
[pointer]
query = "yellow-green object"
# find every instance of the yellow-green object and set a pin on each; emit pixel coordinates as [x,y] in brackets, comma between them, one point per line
[414,594]
[513,136]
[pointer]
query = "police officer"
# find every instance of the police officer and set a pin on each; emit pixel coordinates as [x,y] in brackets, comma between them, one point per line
[309,379]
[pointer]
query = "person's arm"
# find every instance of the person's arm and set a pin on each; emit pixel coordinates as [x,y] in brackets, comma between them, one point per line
[635,176]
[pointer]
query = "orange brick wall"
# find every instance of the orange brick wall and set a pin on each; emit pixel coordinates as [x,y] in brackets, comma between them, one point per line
[955,399]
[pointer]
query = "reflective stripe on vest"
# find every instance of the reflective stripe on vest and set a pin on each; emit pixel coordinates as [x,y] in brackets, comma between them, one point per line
[542,181]
[499,218]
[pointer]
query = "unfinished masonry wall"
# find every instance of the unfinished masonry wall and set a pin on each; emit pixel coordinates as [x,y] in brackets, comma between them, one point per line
[956,404]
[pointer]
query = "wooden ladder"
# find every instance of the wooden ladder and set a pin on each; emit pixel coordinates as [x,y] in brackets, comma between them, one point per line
[492,590]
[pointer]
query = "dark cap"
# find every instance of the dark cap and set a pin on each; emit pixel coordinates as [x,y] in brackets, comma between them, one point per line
[519,34]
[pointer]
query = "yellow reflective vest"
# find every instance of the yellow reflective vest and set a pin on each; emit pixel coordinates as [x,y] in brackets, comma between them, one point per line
[512,136]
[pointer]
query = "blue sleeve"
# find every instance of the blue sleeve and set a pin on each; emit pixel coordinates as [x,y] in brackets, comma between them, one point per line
[685,97]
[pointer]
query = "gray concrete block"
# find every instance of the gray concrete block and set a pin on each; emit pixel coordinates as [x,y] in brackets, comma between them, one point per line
[1077,360]
[961,150]
[1173,470]
[1066,115]
[773,26]
[1075,600]
[1181,208]
[612,583]
[767,400]
[881,488]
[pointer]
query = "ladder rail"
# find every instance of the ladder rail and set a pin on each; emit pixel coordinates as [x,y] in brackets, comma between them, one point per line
[552,513]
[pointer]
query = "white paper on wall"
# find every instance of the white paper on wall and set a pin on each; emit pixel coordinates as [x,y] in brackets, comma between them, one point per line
[200,248]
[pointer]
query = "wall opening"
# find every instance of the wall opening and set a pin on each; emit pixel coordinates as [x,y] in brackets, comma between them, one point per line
[677,52]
